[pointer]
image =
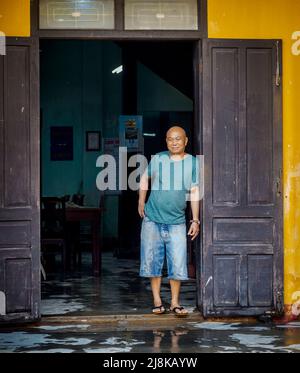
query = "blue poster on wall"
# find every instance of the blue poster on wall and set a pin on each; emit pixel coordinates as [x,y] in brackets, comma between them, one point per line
[130,130]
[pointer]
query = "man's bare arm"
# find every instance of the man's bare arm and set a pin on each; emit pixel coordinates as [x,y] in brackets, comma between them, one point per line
[142,194]
[195,198]
[195,225]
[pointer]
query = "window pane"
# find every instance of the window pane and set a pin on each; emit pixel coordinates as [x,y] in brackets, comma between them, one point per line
[77,14]
[161,15]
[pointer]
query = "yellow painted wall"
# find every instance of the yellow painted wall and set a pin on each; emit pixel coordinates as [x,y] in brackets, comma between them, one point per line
[274,19]
[15,17]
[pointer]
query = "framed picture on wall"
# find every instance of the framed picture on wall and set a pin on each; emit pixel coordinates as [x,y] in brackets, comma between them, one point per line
[93,141]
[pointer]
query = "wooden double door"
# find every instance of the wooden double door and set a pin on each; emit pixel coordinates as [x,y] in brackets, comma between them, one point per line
[239,261]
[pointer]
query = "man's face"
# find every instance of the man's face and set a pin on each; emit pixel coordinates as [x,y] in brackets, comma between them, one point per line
[176,141]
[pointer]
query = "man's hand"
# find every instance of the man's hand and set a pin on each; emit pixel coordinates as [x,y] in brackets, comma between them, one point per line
[194,230]
[141,208]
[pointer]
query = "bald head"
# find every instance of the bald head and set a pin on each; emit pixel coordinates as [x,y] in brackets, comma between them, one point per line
[176,140]
[176,129]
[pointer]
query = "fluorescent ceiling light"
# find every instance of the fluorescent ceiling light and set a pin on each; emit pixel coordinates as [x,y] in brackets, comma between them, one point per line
[160,15]
[149,134]
[118,70]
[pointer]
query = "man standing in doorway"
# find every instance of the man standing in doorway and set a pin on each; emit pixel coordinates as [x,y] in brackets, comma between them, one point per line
[174,178]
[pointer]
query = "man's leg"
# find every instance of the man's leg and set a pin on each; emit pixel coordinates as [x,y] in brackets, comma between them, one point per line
[155,286]
[152,259]
[176,249]
[175,291]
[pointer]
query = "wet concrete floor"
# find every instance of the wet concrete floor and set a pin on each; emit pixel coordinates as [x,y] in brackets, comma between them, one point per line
[80,314]
[187,337]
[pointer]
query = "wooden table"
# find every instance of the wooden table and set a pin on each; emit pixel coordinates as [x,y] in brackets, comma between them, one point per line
[93,215]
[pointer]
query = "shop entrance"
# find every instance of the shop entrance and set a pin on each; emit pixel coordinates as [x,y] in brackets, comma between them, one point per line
[240,264]
[87,90]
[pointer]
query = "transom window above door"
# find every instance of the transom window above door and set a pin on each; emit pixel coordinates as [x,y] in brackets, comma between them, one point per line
[161,15]
[76,14]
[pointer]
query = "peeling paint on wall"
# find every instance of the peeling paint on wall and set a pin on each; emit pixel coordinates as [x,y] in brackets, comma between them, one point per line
[296,303]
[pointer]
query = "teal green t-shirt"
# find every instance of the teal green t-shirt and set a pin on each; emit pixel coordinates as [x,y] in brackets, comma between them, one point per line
[171,182]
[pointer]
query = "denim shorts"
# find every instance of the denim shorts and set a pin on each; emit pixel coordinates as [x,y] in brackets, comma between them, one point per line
[158,239]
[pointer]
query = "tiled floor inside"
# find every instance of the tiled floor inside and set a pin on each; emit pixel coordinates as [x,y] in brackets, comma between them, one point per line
[119,290]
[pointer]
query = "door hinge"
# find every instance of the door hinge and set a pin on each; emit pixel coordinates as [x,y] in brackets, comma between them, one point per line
[279,302]
[278,183]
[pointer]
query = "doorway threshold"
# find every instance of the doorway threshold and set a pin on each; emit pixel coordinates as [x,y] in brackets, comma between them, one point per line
[132,321]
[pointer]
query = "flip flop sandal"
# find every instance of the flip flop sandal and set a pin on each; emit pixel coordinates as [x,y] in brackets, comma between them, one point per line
[159,310]
[158,333]
[178,314]
[178,332]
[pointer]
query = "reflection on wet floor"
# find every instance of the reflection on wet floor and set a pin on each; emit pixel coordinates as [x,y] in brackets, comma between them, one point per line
[192,337]
[119,290]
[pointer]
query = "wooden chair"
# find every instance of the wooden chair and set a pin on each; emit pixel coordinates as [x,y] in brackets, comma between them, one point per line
[53,227]
[83,235]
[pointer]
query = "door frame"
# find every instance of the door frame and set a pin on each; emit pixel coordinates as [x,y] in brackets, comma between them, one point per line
[198,37]
[119,34]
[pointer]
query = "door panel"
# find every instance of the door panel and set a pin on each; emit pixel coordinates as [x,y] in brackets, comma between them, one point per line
[242,265]
[19,185]
[225,110]
[259,126]
[16,153]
